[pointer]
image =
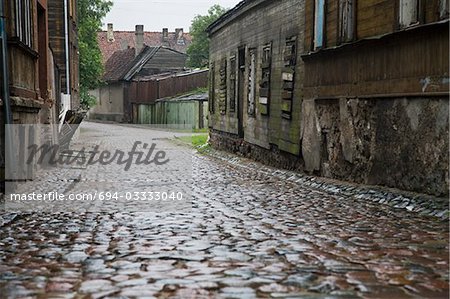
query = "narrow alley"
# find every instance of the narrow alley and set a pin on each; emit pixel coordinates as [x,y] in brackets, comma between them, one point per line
[245,232]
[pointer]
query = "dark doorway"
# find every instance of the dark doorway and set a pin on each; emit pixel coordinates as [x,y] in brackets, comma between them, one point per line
[241,86]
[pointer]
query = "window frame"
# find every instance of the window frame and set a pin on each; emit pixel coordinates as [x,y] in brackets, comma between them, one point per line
[23,22]
[346,33]
[212,87]
[415,19]
[232,84]
[319,7]
[251,88]
[443,9]
[266,76]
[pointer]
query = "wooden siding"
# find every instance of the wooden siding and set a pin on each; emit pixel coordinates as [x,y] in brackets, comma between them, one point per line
[373,18]
[414,61]
[151,90]
[164,60]
[186,115]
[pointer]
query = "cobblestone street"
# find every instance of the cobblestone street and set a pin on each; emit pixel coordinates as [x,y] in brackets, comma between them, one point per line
[251,233]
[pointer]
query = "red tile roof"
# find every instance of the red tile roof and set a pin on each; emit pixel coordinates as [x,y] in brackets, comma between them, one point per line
[126,39]
[119,62]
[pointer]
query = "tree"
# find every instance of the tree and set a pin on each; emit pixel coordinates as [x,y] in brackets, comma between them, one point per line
[198,51]
[90,15]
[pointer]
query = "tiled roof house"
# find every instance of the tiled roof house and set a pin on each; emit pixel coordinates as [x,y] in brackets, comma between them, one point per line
[111,41]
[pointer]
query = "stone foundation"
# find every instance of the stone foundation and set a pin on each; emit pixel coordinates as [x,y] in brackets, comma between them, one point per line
[274,157]
[400,143]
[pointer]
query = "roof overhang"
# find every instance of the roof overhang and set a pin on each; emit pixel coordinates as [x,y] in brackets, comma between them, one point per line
[238,11]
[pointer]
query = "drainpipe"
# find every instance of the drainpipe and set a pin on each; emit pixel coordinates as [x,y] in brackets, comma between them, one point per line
[66,29]
[9,161]
[4,66]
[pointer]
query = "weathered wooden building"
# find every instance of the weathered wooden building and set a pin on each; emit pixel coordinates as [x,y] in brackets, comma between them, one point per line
[255,71]
[186,112]
[344,89]
[35,58]
[111,41]
[131,64]
[170,99]
[28,58]
[38,57]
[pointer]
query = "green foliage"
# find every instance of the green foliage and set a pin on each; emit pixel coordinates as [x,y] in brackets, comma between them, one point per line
[198,51]
[90,15]
[197,141]
[87,100]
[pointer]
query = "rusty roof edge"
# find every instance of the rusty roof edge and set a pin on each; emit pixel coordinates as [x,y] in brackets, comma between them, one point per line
[241,8]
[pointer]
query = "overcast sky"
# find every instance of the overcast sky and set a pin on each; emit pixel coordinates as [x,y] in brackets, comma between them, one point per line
[158,14]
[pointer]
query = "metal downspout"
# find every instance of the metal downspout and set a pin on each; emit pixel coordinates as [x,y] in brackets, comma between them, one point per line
[9,158]
[4,67]
[66,29]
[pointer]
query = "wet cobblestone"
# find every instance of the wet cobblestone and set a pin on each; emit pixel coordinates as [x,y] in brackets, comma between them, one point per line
[252,232]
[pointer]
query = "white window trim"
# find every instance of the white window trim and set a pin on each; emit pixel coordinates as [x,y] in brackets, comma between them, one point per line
[408,13]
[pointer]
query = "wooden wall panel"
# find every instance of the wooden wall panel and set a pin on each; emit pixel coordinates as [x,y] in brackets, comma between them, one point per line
[373,18]
[399,64]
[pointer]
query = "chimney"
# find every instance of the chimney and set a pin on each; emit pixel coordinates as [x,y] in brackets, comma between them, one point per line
[165,34]
[179,36]
[110,34]
[139,38]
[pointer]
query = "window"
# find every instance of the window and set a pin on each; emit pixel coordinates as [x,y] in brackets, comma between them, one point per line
[212,88]
[319,23]
[223,87]
[408,13]
[443,9]
[288,75]
[346,20]
[251,83]
[264,91]
[23,21]
[232,82]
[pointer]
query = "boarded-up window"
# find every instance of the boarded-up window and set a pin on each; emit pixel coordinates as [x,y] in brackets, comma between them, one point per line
[251,83]
[408,13]
[319,23]
[443,9]
[212,88]
[264,91]
[232,84]
[287,77]
[223,87]
[23,21]
[346,20]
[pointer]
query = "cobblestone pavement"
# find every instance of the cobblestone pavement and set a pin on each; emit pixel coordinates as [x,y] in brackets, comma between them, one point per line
[249,234]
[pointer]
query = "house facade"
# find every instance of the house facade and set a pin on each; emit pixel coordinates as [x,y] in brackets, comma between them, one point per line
[255,71]
[34,67]
[123,66]
[111,41]
[346,90]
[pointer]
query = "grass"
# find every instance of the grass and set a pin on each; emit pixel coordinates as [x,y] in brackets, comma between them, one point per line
[197,141]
